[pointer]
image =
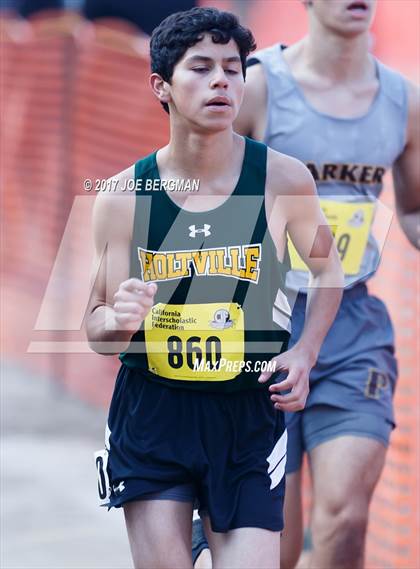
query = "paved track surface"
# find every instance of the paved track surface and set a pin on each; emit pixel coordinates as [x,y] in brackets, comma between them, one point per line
[49,513]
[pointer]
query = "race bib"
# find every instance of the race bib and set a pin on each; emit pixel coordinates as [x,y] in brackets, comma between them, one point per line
[189,342]
[350,224]
[104,486]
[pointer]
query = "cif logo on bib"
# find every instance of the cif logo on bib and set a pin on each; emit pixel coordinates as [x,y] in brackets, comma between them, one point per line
[358,219]
[221,320]
[239,262]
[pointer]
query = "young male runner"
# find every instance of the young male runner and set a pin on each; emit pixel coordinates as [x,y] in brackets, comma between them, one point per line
[328,102]
[185,291]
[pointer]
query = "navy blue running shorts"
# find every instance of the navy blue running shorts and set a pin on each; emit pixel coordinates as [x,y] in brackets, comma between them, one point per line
[230,448]
[353,382]
[321,423]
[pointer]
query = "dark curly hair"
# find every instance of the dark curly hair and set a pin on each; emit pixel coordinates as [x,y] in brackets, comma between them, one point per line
[178,32]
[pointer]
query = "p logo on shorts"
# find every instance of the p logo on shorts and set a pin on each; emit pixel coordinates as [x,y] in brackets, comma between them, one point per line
[377,381]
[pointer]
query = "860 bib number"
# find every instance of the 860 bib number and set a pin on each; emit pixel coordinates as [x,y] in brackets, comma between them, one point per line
[194,351]
[204,334]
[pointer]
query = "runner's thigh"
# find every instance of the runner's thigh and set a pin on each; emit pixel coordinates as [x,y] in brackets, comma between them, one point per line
[159,532]
[244,548]
[345,471]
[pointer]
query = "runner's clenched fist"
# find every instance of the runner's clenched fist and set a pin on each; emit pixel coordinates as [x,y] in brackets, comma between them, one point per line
[132,303]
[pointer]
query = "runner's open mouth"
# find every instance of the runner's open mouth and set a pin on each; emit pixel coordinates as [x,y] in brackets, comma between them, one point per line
[358,6]
[218,102]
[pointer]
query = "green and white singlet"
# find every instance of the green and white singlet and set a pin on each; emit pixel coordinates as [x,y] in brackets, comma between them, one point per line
[218,276]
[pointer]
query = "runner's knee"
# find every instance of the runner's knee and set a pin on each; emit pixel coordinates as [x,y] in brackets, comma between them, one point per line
[343,522]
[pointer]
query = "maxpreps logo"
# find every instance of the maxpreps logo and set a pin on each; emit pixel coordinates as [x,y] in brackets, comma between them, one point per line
[240,262]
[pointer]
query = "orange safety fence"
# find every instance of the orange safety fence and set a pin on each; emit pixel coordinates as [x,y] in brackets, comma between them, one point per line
[72,108]
[394,520]
[77,106]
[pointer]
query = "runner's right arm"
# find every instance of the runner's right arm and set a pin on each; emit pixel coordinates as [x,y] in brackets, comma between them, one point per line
[406,172]
[118,304]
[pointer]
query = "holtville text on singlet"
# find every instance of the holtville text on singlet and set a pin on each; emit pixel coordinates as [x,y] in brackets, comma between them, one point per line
[238,261]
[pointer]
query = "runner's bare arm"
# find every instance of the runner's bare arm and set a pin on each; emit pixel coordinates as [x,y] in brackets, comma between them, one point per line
[298,204]
[252,114]
[118,304]
[406,173]
[295,207]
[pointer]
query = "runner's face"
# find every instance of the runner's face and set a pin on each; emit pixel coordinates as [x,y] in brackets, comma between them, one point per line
[344,17]
[207,85]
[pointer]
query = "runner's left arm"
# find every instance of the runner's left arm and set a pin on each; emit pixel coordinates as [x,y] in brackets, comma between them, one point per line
[296,208]
[406,173]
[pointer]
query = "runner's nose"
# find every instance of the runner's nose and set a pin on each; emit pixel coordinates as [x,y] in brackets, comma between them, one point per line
[219,78]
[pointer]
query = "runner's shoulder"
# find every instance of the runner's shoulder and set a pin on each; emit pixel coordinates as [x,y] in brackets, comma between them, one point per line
[119,181]
[254,101]
[115,186]
[255,85]
[287,175]
[114,206]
